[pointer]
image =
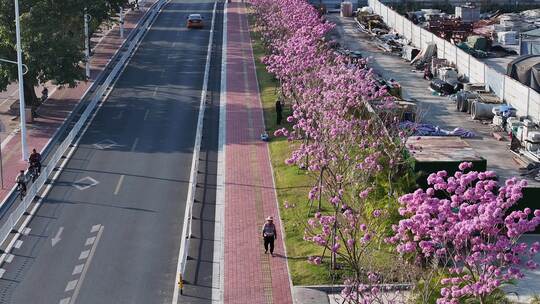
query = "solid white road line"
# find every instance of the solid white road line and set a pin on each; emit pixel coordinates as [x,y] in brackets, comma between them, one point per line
[219,217]
[119,185]
[184,245]
[135,143]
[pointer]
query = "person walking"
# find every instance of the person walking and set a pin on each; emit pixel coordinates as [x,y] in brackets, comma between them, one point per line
[269,234]
[279,111]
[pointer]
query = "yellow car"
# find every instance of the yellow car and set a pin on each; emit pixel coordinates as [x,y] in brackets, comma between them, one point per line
[195,21]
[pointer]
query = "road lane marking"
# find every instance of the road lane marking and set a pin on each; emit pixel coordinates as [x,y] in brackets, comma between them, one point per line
[120,181]
[105,144]
[155,91]
[146,114]
[86,265]
[57,238]
[18,244]
[71,285]
[135,143]
[9,258]
[85,183]
[90,241]
[84,255]
[95,228]
[64,301]
[78,269]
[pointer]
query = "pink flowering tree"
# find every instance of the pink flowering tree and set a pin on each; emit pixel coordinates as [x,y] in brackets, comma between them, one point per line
[352,146]
[467,224]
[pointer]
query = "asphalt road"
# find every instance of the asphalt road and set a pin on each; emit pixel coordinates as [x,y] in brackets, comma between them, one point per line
[115,214]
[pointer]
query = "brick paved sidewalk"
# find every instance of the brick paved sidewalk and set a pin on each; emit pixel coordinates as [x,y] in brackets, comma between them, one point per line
[250,275]
[58,107]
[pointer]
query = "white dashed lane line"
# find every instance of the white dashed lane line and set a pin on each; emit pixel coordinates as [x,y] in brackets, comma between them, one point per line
[84,255]
[80,270]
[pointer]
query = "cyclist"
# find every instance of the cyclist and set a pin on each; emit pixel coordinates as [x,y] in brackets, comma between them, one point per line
[35,161]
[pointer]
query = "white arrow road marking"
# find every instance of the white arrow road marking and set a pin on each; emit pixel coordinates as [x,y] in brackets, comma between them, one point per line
[57,238]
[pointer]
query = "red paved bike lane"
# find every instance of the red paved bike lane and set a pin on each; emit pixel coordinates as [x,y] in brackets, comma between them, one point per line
[250,275]
[57,108]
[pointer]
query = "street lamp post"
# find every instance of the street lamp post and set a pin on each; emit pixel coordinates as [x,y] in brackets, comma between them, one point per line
[121,22]
[24,148]
[87,42]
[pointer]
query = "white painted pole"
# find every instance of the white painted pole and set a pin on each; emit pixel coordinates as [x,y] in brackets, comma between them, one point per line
[121,22]
[24,148]
[86,44]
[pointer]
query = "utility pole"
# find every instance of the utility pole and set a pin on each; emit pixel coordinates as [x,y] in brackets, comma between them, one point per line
[121,22]
[87,43]
[24,148]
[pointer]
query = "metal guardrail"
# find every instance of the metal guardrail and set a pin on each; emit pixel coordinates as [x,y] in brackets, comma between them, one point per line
[188,214]
[33,190]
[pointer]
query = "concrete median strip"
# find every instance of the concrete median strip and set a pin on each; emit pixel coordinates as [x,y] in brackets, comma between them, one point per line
[218,277]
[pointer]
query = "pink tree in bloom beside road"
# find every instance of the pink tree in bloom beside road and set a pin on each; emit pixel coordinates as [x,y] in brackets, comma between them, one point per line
[465,222]
[356,151]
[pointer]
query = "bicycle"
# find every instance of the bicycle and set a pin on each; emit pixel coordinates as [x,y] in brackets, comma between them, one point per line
[34,172]
[21,188]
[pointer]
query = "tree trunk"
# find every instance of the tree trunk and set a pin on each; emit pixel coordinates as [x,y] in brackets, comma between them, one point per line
[30,97]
